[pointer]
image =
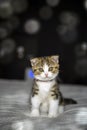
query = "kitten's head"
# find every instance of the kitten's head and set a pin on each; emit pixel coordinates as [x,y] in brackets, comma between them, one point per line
[45,68]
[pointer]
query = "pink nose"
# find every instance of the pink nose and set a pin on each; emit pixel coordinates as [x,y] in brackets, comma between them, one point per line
[46,75]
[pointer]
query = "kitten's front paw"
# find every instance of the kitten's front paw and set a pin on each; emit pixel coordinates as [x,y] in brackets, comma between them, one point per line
[35,113]
[52,115]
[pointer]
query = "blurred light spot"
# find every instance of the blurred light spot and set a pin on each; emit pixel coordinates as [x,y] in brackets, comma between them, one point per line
[85,4]
[67,35]
[53,3]
[32,26]
[3,32]
[81,67]
[30,74]
[45,12]
[81,49]
[69,18]
[6,27]
[81,116]
[5,9]
[2,53]
[62,29]
[8,45]
[7,49]
[19,5]
[67,29]
[20,52]
[84,46]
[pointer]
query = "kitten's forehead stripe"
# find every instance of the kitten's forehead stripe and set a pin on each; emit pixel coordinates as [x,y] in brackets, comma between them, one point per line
[45,67]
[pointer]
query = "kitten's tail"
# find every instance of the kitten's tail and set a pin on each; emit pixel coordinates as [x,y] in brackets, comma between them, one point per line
[68,101]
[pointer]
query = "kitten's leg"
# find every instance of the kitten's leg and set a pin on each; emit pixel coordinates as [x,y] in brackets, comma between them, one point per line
[35,105]
[53,108]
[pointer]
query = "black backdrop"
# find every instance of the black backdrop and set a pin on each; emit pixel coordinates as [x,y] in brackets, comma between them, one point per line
[48,42]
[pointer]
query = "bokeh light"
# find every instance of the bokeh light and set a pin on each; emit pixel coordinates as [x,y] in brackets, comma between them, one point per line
[84,46]
[32,26]
[85,4]
[66,34]
[81,49]
[70,19]
[53,3]
[19,5]
[3,32]
[8,26]
[6,9]
[7,49]
[67,28]
[5,29]
[45,12]
[20,52]
[8,45]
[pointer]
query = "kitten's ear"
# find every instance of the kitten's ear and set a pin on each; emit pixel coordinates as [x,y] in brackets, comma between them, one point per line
[33,61]
[55,58]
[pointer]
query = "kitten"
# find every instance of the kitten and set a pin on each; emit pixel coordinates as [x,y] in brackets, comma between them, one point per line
[46,96]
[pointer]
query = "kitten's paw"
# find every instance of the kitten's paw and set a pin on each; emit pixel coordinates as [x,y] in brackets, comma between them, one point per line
[35,113]
[52,115]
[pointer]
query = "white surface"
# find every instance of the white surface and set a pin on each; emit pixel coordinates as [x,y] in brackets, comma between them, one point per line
[14,108]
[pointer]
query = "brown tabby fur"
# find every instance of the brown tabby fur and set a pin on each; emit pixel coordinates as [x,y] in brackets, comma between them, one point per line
[40,62]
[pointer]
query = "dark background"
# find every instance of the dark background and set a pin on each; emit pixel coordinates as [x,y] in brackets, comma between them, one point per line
[70,46]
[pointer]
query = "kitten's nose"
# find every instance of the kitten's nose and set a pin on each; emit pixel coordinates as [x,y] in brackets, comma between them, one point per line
[46,74]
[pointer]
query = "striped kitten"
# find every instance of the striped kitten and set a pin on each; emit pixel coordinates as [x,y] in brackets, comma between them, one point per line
[46,96]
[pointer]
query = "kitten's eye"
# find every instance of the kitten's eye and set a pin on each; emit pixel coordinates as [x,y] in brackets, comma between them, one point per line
[51,68]
[41,69]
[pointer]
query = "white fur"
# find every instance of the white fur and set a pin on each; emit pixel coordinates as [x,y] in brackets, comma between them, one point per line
[53,108]
[43,97]
[35,105]
[44,88]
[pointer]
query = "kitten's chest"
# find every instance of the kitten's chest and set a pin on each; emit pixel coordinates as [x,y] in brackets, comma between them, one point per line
[44,88]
